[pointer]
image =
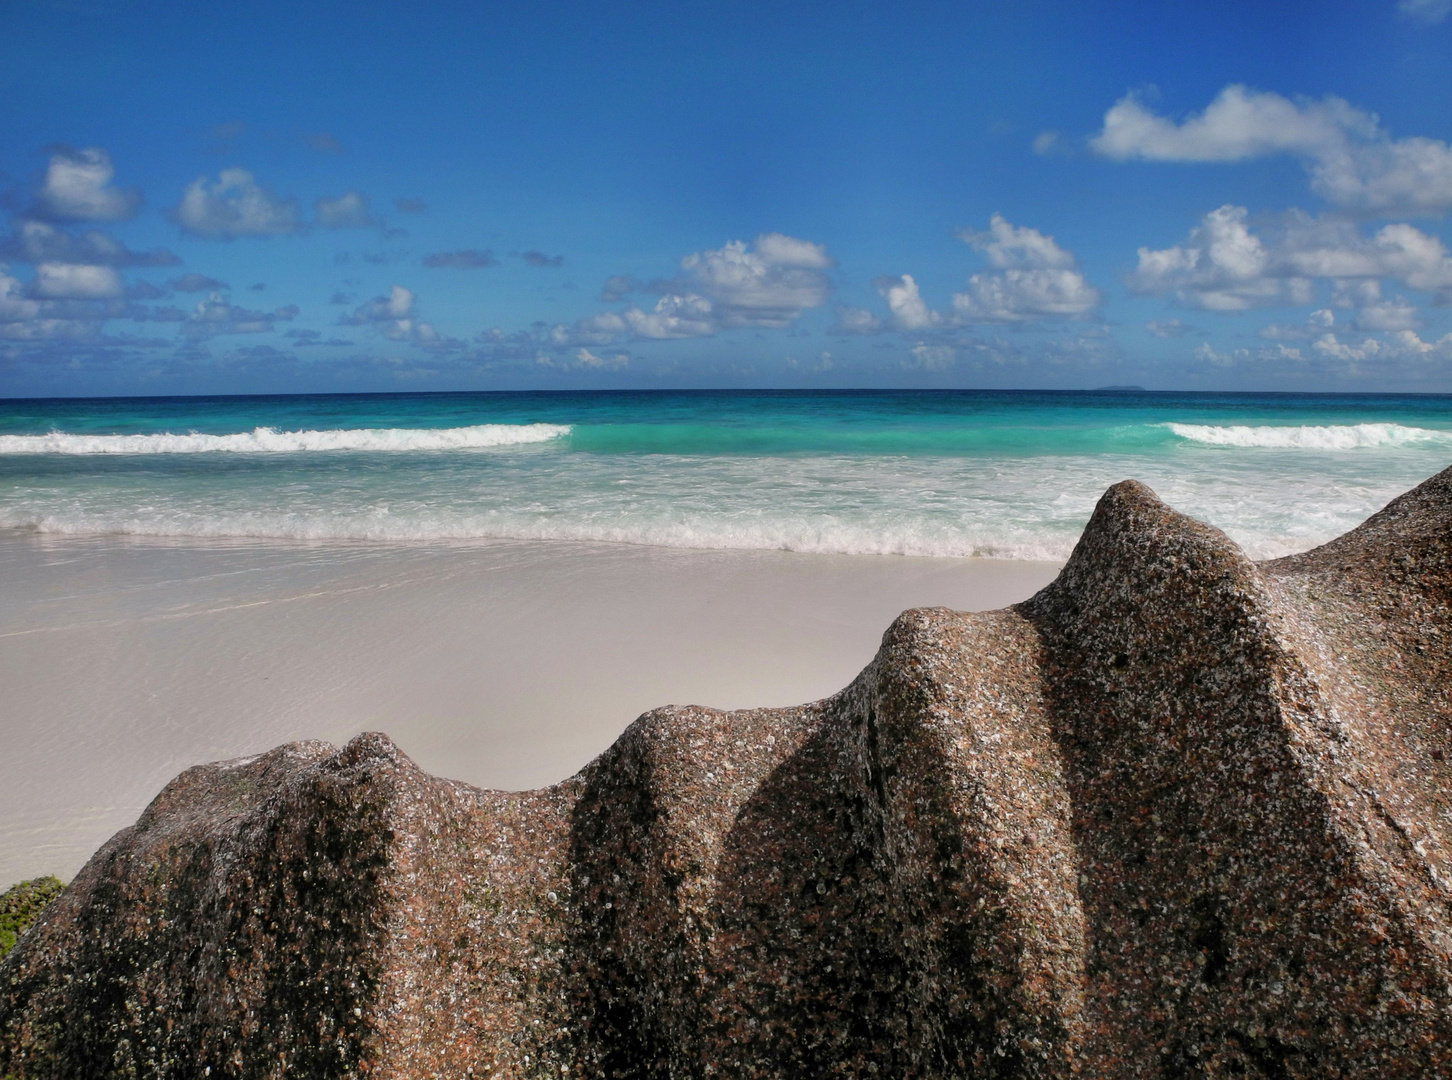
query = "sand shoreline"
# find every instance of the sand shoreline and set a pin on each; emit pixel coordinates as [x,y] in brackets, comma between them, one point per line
[502,664]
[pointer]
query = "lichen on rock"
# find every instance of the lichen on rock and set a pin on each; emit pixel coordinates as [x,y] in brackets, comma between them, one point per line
[1179,815]
[21,905]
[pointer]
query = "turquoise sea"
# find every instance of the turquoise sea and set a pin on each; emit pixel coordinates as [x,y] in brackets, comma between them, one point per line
[939,473]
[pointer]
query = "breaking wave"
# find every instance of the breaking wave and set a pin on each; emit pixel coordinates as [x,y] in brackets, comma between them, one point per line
[798,533]
[1308,436]
[266,440]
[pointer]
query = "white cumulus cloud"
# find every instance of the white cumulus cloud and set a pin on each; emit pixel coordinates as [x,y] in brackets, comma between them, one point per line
[1011,246]
[70,281]
[78,187]
[1352,161]
[1224,265]
[1394,314]
[909,310]
[76,309]
[674,315]
[234,205]
[396,305]
[1038,278]
[393,317]
[768,283]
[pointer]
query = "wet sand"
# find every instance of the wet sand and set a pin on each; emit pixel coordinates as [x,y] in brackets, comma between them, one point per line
[503,664]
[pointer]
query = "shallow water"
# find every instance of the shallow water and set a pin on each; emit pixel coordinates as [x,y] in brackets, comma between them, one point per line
[946,473]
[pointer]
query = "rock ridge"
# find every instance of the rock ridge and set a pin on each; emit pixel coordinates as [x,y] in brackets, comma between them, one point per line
[1181,814]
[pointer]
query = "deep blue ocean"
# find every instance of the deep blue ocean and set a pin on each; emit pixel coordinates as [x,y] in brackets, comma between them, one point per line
[939,473]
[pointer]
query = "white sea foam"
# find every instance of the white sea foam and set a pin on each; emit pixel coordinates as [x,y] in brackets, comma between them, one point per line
[1309,436]
[266,440]
[1027,507]
[788,533]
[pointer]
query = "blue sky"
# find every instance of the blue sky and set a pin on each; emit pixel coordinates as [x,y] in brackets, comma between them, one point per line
[366,196]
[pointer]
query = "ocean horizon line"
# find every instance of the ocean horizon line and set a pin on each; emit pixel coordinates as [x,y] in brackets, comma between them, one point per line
[816,391]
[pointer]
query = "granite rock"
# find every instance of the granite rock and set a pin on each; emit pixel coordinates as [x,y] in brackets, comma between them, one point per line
[1178,815]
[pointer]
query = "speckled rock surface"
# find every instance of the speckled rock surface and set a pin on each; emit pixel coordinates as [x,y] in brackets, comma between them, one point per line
[1179,815]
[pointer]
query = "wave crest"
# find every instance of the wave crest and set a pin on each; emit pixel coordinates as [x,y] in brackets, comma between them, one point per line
[829,536]
[1308,436]
[266,440]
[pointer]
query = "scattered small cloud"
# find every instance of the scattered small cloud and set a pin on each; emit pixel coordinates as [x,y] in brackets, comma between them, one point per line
[257,286]
[931,357]
[1316,323]
[856,320]
[393,317]
[303,338]
[323,143]
[1426,12]
[673,316]
[194,282]
[541,260]
[1048,142]
[584,360]
[1169,328]
[216,316]
[232,129]
[398,304]
[410,206]
[372,258]
[1327,348]
[1268,357]
[618,287]
[766,284]
[1035,280]
[824,363]
[467,259]
[232,206]
[349,210]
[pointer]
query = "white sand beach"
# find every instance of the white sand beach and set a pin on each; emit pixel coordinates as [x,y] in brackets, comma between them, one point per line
[503,664]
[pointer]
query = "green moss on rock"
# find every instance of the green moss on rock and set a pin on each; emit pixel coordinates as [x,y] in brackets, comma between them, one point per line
[21,905]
